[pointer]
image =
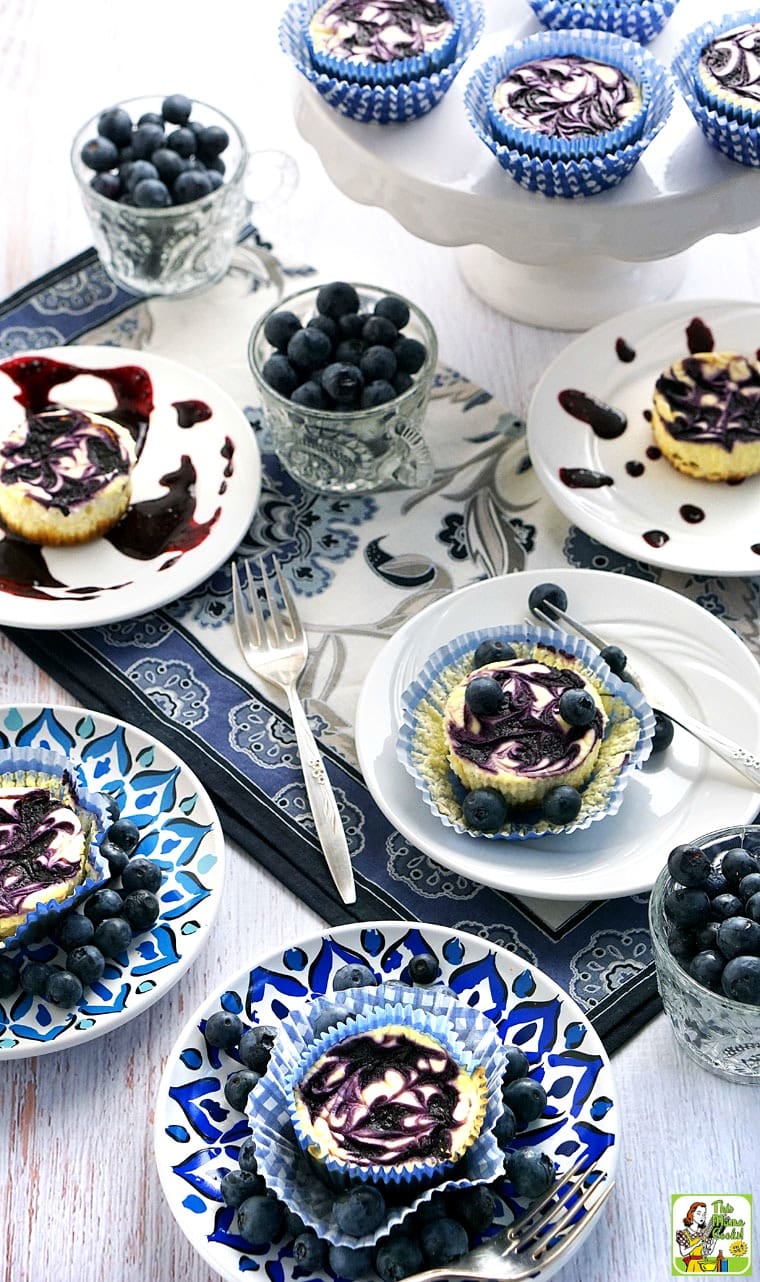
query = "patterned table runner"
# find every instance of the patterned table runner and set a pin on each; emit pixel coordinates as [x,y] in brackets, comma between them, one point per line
[177,674]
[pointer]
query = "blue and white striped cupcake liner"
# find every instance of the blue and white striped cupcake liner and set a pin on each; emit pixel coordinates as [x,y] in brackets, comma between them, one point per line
[640,20]
[609,780]
[686,71]
[374,103]
[574,177]
[400,70]
[600,46]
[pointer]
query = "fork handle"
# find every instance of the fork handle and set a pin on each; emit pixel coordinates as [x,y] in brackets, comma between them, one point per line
[324,807]
[745,762]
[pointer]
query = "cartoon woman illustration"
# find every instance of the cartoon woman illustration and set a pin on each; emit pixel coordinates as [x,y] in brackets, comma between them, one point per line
[695,1241]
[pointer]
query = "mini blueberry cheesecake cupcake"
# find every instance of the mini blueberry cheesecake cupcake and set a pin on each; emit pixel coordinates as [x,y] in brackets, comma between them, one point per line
[728,73]
[383,42]
[639,20]
[706,416]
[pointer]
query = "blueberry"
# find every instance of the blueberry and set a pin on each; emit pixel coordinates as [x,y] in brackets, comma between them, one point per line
[689,865]
[410,354]
[337,299]
[177,109]
[116,125]
[64,989]
[309,1253]
[353,976]
[433,1209]
[151,193]
[350,1262]
[681,942]
[108,185]
[505,1129]
[279,374]
[397,1257]
[260,1220]
[402,382]
[213,140]
[224,1029]
[236,1186]
[485,810]
[378,363]
[308,349]
[34,976]
[424,968]
[9,977]
[280,327]
[310,396]
[527,1100]
[350,351]
[517,1064]
[377,393]
[706,968]
[142,873]
[294,1225]
[724,906]
[393,309]
[74,930]
[737,864]
[614,658]
[117,859]
[247,1157]
[492,651]
[359,1211]
[328,1017]
[379,331]
[752,907]
[151,118]
[326,324]
[351,324]
[749,885]
[741,980]
[103,903]
[530,1171]
[343,382]
[562,804]
[687,906]
[238,1087]
[87,963]
[113,936]
[545,595]
[474,1207]
[484,696]
[739,937]
[716,884]
[140,171]
[146,139]
[191,185]
[442,1242]
[256,1047]
[577,707]
[141,909]
[216,180]
[168,165]
[99,154]
[663,732]
[705,939]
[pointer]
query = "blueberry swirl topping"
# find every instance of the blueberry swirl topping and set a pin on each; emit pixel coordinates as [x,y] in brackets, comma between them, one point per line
[64,457]
[712,400]
[387,1097]
[380,31]
[527,736]
[41,845]
[567,96]
[733,61]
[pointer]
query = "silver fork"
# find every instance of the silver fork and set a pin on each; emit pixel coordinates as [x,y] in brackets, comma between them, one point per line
[276,649]
[745,762]
[532,1243]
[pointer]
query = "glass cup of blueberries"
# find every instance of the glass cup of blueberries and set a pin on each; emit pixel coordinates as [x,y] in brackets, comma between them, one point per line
[704,915]
[344,373]
[163,185]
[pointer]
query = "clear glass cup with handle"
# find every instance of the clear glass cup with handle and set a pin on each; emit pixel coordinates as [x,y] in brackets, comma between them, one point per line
[180,249]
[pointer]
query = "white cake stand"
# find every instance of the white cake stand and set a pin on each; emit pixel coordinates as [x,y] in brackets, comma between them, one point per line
[566,264]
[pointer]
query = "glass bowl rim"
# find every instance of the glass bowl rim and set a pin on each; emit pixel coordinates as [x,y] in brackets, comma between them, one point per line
[658,929]
[169,211]
[338,417]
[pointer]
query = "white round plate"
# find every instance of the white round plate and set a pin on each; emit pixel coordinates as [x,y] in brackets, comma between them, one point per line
[687,660]
[98,584]
[179,830]
[621,514]
[197,1134]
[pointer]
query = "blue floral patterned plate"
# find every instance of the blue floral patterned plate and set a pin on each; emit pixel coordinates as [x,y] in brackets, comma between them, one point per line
[198,1135]
[179,830]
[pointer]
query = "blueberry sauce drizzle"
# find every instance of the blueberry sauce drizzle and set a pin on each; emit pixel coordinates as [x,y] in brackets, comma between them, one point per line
[656,538]
[191,412]
[653,452]
[604,420]
[634,468]
[699,337]
[582,478]
[164,524]
[691,513]
[624,351]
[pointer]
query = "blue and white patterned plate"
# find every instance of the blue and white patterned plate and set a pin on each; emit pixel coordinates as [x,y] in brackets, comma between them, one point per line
[179,830]
[198,1135]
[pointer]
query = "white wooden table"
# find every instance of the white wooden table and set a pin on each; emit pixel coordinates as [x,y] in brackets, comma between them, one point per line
[80,1197]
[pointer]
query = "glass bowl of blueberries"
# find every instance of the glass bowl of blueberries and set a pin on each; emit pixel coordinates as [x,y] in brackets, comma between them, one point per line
[162,182]
[704,916]
[344,372]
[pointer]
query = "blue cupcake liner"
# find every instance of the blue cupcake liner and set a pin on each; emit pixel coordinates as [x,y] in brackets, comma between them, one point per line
[598,45]
[379,104]
[279,1156]
[738,140]
[47,763]
[640,20]
[427,777]
[586,176]
[688,56]
[399,70]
